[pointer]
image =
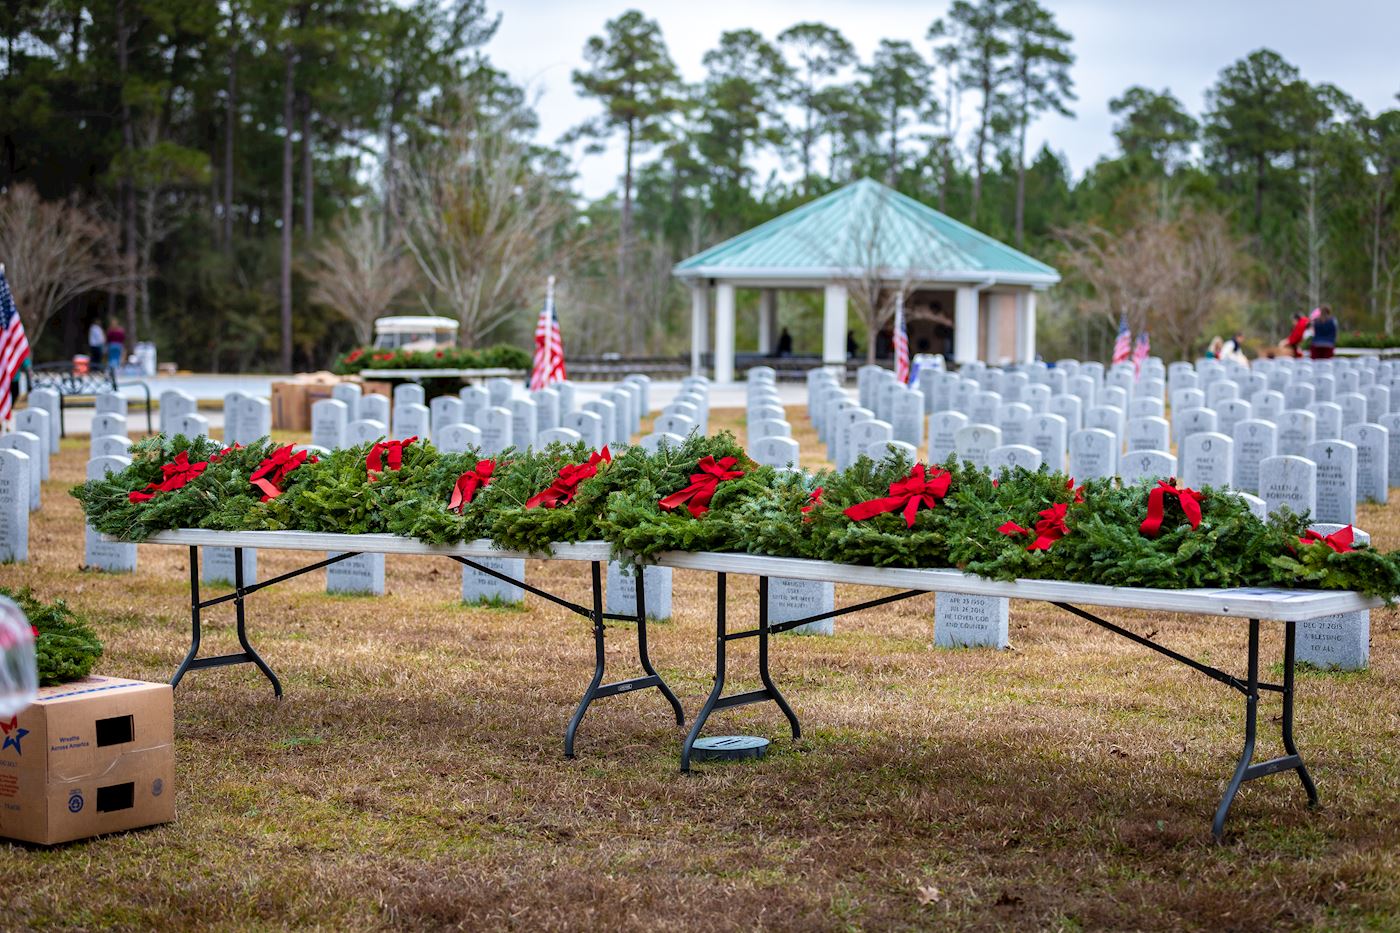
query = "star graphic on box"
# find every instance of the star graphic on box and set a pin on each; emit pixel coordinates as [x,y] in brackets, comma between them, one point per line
[12,727]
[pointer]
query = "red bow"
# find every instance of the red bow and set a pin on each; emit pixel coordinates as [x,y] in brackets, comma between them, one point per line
[907,495]
[374,461]
[468,483]
[1190,501]
[1048,530]
[696,497]
[176,474]
[1339,541]
[561,491]
[216,457]
[813,500]
[1078,493]
[272,471]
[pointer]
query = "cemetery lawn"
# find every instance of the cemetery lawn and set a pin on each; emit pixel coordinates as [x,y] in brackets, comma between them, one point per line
[413,775]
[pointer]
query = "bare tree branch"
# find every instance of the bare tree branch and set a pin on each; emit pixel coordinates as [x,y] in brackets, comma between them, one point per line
[359,273]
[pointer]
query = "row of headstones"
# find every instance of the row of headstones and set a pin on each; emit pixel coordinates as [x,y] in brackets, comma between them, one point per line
[489,418]
[884,416]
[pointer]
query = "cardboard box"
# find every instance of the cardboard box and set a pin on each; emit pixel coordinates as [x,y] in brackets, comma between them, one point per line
[290,410]
[90,757]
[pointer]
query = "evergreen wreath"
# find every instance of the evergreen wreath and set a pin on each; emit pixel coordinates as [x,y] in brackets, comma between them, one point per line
[692,497]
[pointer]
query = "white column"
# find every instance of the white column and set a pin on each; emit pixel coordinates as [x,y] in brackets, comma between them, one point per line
[767,320]
[724,333]
[699,324]
[995,351]
[1025,327]
[834,328]
[965,325]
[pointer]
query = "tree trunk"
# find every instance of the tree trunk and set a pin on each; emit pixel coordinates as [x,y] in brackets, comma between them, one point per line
[308,169]
[288,162]
[1376,211]
[981,147]
[230,128]
[1259,166]
[894,145]
[1021,182]
[624,244]
[391,191]
[127,192]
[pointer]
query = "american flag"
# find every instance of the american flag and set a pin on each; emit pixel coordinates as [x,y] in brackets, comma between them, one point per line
[14,346]
[1123,346]
[1140,351]
[549,345]
[901,342]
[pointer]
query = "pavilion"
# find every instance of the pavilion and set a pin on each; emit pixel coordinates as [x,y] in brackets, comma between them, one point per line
[864,236]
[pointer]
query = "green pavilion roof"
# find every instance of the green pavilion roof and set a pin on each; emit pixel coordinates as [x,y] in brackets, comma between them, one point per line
[861,227]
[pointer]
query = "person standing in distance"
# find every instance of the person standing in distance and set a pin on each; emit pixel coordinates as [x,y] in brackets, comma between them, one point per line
[1324,341]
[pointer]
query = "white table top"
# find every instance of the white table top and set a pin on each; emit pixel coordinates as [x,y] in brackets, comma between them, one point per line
[1247,603]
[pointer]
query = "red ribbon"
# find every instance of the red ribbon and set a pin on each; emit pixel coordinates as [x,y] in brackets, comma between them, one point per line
[1339,541]
[1190,501]
[272,471]
[216,457]
[468,484]
[1078,493]
[813,500]
[561,491]
[176,474]
[392,451]
[907,495]
[696,497]
[1048,530]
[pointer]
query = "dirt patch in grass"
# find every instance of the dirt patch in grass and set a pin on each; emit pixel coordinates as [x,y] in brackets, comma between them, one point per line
[413,776]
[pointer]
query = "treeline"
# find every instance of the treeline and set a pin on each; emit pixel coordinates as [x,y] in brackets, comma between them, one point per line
[257,179]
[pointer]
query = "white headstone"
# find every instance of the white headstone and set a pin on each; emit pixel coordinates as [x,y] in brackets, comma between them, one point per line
[36,422]
[49,401]
[522,421]
[779,452]
[547,408]
[943,427]
[409,393]
[790,600]
[1288,481]
[99,553]
[965,621]
[1207,459]
[482,588]
[329,419]
[217,566]
[653,442]
[362,574]
[622,591]
[1093,454]
[1341,641]
[173,405]
[364,431]
[1296,430]
[1146,466]
[33,447]
[105,425]
[1372,461]
[444,410]
[496,427]
[1255,441]
[411,420]
[589,426]
[976,442]
[475,400]
[557,436]
[373,407]
[500,391]
[1336,480]
[349,393]
[14,505]
[458,438]
[111,446]
[192,425]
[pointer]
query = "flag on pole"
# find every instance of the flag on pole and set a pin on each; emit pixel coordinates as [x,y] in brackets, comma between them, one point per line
[1140,351]
[549,345]
[14,346]
[901,342]
[1123,346]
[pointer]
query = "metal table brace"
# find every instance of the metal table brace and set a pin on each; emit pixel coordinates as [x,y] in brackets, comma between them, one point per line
[1245,770]
[596,688]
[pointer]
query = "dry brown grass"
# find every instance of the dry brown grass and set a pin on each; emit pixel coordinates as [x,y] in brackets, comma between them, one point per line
[413,775]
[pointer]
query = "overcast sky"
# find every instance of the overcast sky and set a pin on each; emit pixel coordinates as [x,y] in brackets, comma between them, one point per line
[1176,44]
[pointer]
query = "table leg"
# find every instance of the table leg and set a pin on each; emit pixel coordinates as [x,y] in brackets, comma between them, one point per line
[241,618]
